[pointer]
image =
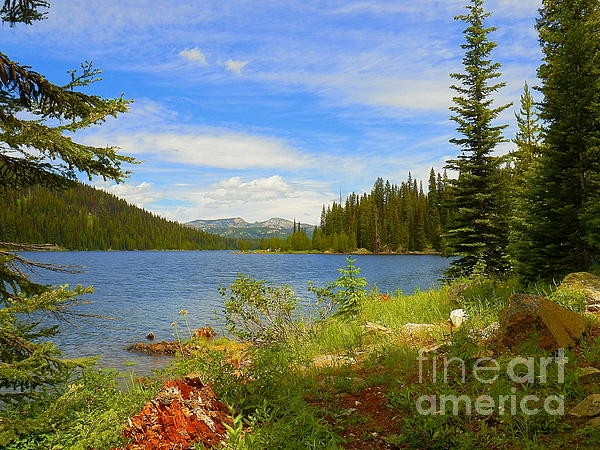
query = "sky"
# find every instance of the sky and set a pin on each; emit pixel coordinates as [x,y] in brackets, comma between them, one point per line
[272,108]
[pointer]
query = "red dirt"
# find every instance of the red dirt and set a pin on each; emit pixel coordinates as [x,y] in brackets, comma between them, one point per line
[376,420]
[184,412]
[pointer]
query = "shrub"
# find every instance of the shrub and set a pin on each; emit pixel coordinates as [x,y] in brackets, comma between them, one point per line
[258,312]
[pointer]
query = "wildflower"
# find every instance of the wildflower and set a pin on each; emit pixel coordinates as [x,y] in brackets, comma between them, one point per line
[184,312]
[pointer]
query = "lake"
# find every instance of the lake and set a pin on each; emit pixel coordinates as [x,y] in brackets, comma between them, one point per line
[144,291]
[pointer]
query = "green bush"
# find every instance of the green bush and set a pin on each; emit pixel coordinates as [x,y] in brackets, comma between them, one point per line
[261,313]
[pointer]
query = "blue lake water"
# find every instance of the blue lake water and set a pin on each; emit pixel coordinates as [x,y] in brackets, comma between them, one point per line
[144,291]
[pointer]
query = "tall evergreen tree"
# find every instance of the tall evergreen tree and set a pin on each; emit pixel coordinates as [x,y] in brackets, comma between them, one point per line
[433,212]
[562,232]
[479,230]
[528,142]
[31,152]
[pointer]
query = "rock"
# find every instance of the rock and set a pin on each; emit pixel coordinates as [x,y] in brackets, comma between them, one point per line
[371,327]
[419,329]
[586,283]
[530,317]
[594,307]
[150,336]
[432,349]
[184,412]
[587,372]
[489,332]
[159,348]
[589,407]
[594,422]
[205,332]
[484,353]
[458,317]
[332,361]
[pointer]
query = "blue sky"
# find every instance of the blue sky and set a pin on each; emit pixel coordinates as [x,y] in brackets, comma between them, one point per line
[263,108]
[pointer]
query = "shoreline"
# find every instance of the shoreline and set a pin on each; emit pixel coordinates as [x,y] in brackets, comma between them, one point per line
[237,252]
[315,252]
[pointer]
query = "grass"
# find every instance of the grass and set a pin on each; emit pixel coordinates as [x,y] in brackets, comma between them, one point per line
[422,307]
[288,402]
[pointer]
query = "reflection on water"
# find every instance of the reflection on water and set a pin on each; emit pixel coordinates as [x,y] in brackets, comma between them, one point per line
[144,291]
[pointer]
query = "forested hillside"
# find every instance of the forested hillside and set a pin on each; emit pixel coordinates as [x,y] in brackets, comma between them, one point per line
[85,218]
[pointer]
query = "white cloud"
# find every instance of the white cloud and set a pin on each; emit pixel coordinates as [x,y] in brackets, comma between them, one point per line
[378,7]
[140,194]
[235,190]
[209,148]
[235,66]
[194,55]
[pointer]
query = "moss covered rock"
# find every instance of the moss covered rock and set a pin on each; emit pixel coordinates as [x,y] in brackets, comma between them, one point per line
[586,283]
[530,319]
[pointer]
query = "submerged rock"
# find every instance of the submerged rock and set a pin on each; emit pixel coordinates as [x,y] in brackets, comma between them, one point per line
[158,348]
[205,332]
[529,318]
[185,412]
[586,283]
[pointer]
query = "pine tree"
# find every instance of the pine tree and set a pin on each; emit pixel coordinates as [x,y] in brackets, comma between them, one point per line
[479,230]
[528,141]
[31,152]
[562,232]
[433,213]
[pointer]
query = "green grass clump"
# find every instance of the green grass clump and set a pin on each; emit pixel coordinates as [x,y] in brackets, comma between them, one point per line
[432,306]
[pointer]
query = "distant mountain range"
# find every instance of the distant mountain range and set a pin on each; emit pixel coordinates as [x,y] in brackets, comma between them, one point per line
[240,229]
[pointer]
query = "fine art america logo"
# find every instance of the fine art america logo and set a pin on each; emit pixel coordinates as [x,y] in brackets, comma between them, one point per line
[520,371]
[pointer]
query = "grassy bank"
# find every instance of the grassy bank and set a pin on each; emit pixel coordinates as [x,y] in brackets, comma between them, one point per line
[351,383]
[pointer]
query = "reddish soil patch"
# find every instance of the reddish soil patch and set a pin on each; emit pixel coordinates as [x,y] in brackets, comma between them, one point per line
[368,420]
[184,412]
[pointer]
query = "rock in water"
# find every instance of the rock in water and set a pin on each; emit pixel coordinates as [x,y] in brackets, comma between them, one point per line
[159,348]
[150,336]
[586,283]
[205,332]
[530,318]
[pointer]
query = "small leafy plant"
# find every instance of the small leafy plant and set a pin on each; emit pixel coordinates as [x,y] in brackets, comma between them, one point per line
[259,312]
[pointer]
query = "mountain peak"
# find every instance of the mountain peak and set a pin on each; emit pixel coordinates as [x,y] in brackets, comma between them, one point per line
[237,227]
